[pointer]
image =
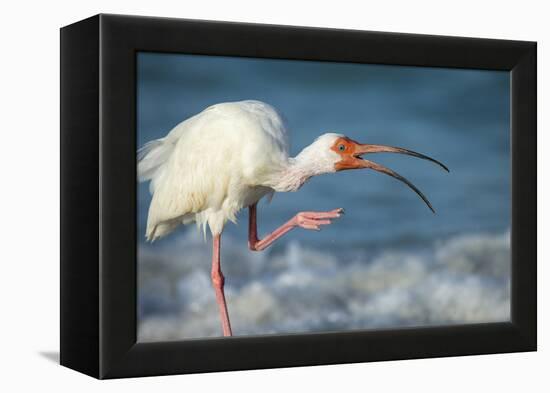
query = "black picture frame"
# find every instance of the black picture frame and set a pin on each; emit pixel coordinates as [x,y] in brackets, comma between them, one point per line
[98,195]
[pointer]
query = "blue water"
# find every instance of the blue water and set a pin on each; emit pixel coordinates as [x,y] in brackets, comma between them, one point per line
[460,117]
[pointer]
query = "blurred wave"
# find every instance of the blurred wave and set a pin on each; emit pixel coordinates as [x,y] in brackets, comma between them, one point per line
[463,279]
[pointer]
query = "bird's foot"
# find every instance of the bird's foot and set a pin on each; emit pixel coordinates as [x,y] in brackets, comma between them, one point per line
[314,220]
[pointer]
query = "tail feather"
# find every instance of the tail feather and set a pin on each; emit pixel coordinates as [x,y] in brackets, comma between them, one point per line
[151,157]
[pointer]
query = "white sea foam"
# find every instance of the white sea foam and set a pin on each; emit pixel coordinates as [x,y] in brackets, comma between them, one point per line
[464,279]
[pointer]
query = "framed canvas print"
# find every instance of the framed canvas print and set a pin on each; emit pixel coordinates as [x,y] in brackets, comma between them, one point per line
[239,196]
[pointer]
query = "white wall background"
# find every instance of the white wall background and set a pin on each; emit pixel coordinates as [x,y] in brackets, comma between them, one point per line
[29,154]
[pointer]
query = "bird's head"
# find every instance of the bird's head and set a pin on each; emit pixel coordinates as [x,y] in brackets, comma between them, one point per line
[335,152]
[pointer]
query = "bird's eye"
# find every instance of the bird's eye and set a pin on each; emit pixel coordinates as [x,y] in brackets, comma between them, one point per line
[341,147]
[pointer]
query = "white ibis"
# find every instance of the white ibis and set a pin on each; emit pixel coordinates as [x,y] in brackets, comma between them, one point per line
[227,158]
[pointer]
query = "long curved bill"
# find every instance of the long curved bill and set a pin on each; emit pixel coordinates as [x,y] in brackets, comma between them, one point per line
[366,149]
[361,149]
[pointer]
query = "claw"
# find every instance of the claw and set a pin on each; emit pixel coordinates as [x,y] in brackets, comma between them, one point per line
[314,220]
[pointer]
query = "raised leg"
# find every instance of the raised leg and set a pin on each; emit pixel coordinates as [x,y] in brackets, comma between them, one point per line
[218,282]
[306,220]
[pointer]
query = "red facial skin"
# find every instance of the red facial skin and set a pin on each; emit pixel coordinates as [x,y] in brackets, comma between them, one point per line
[349,151]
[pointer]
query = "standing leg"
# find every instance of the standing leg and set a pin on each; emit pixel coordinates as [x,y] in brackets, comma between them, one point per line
[217,282]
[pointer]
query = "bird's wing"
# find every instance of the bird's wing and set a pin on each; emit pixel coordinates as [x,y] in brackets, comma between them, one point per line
[206,161]
[271,122]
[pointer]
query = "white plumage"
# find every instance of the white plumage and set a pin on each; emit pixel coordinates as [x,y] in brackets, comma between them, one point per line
[212,165]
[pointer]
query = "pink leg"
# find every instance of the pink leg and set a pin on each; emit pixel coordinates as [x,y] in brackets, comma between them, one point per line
[306,220]
[218,282]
